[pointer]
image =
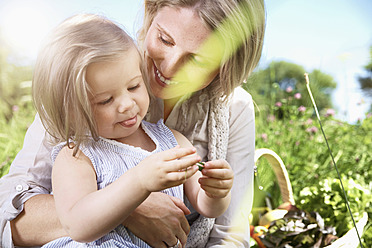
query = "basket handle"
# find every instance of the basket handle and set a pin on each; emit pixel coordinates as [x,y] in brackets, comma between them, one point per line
[280,172]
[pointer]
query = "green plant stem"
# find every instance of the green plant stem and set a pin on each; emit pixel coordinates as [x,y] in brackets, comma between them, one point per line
[330,152]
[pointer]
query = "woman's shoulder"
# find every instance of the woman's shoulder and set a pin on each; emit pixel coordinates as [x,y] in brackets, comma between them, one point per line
[241,112]
[241,101]
[241,96]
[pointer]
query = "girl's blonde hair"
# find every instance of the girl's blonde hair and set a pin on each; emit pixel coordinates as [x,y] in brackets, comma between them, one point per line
[60,91]
[248,26]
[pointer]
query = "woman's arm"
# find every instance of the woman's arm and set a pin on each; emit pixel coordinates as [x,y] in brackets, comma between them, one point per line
[75,190]
[38,223]
[159,219]
[25,202]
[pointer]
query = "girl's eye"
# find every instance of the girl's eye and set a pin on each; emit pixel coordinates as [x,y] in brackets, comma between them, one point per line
[134,87]
[166,42]
[104,102]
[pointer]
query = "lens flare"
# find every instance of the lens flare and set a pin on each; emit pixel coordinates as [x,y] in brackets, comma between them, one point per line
[215,51]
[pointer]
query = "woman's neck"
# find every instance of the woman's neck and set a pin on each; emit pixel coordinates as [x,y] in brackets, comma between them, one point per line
[168,106]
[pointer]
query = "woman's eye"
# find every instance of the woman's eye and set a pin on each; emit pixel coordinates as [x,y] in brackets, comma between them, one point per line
[197,61]
[166,42]
[104,102]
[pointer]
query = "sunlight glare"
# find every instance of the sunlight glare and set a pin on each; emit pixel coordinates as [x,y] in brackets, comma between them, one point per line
[216,50]
[24,24]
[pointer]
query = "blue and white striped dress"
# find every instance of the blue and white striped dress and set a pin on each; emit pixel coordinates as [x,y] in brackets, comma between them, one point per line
[110,160]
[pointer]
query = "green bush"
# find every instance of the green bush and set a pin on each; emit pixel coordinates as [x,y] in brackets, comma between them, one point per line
[12,133]
[327,198]
[294,133]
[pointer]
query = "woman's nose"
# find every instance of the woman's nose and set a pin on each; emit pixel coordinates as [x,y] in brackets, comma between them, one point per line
[126,104]
[172,63]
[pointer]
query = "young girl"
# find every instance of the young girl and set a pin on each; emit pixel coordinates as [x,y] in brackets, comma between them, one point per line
[89,92]
[217,119]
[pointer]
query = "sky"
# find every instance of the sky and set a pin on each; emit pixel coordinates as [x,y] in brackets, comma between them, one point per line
[333,36]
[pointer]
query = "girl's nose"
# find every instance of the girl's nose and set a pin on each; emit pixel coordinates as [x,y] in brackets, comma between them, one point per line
[126,104]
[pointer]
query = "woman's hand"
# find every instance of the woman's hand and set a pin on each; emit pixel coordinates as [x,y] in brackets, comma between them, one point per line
[167,169]
[217,178]
[160,220]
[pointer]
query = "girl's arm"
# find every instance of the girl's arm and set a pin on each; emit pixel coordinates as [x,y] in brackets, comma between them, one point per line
[208,191]
[87,213]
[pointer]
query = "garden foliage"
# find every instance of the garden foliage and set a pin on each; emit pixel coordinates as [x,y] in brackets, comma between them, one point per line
[293,132]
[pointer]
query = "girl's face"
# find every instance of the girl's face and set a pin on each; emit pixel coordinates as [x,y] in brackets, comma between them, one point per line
[173,39]
[119,96]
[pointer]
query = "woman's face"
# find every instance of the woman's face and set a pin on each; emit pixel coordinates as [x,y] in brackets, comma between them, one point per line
[172,40]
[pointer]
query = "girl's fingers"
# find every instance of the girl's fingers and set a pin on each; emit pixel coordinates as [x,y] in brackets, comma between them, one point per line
[176,178]
[215,183]
[217,164]
[223,174]
[183,175]
[215,193]
[177,153]
[182,164]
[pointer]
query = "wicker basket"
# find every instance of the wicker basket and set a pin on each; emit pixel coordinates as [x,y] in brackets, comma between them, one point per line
[280,171]
[349,240]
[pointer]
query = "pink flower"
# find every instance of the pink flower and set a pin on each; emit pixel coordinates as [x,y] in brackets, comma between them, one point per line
[297,96]
[309,122]
[264,137]
[301,109]
[271,118]
[15,108]
[278,104]
[289,89]
[330,112]
[297,143]
[312,129]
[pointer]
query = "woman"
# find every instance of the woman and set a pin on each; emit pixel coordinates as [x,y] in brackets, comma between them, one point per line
[216,116]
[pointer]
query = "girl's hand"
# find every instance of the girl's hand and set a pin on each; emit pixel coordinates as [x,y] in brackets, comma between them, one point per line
[168,168]
[217,178]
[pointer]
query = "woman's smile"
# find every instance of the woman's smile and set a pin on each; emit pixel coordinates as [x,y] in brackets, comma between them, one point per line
[163,80]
